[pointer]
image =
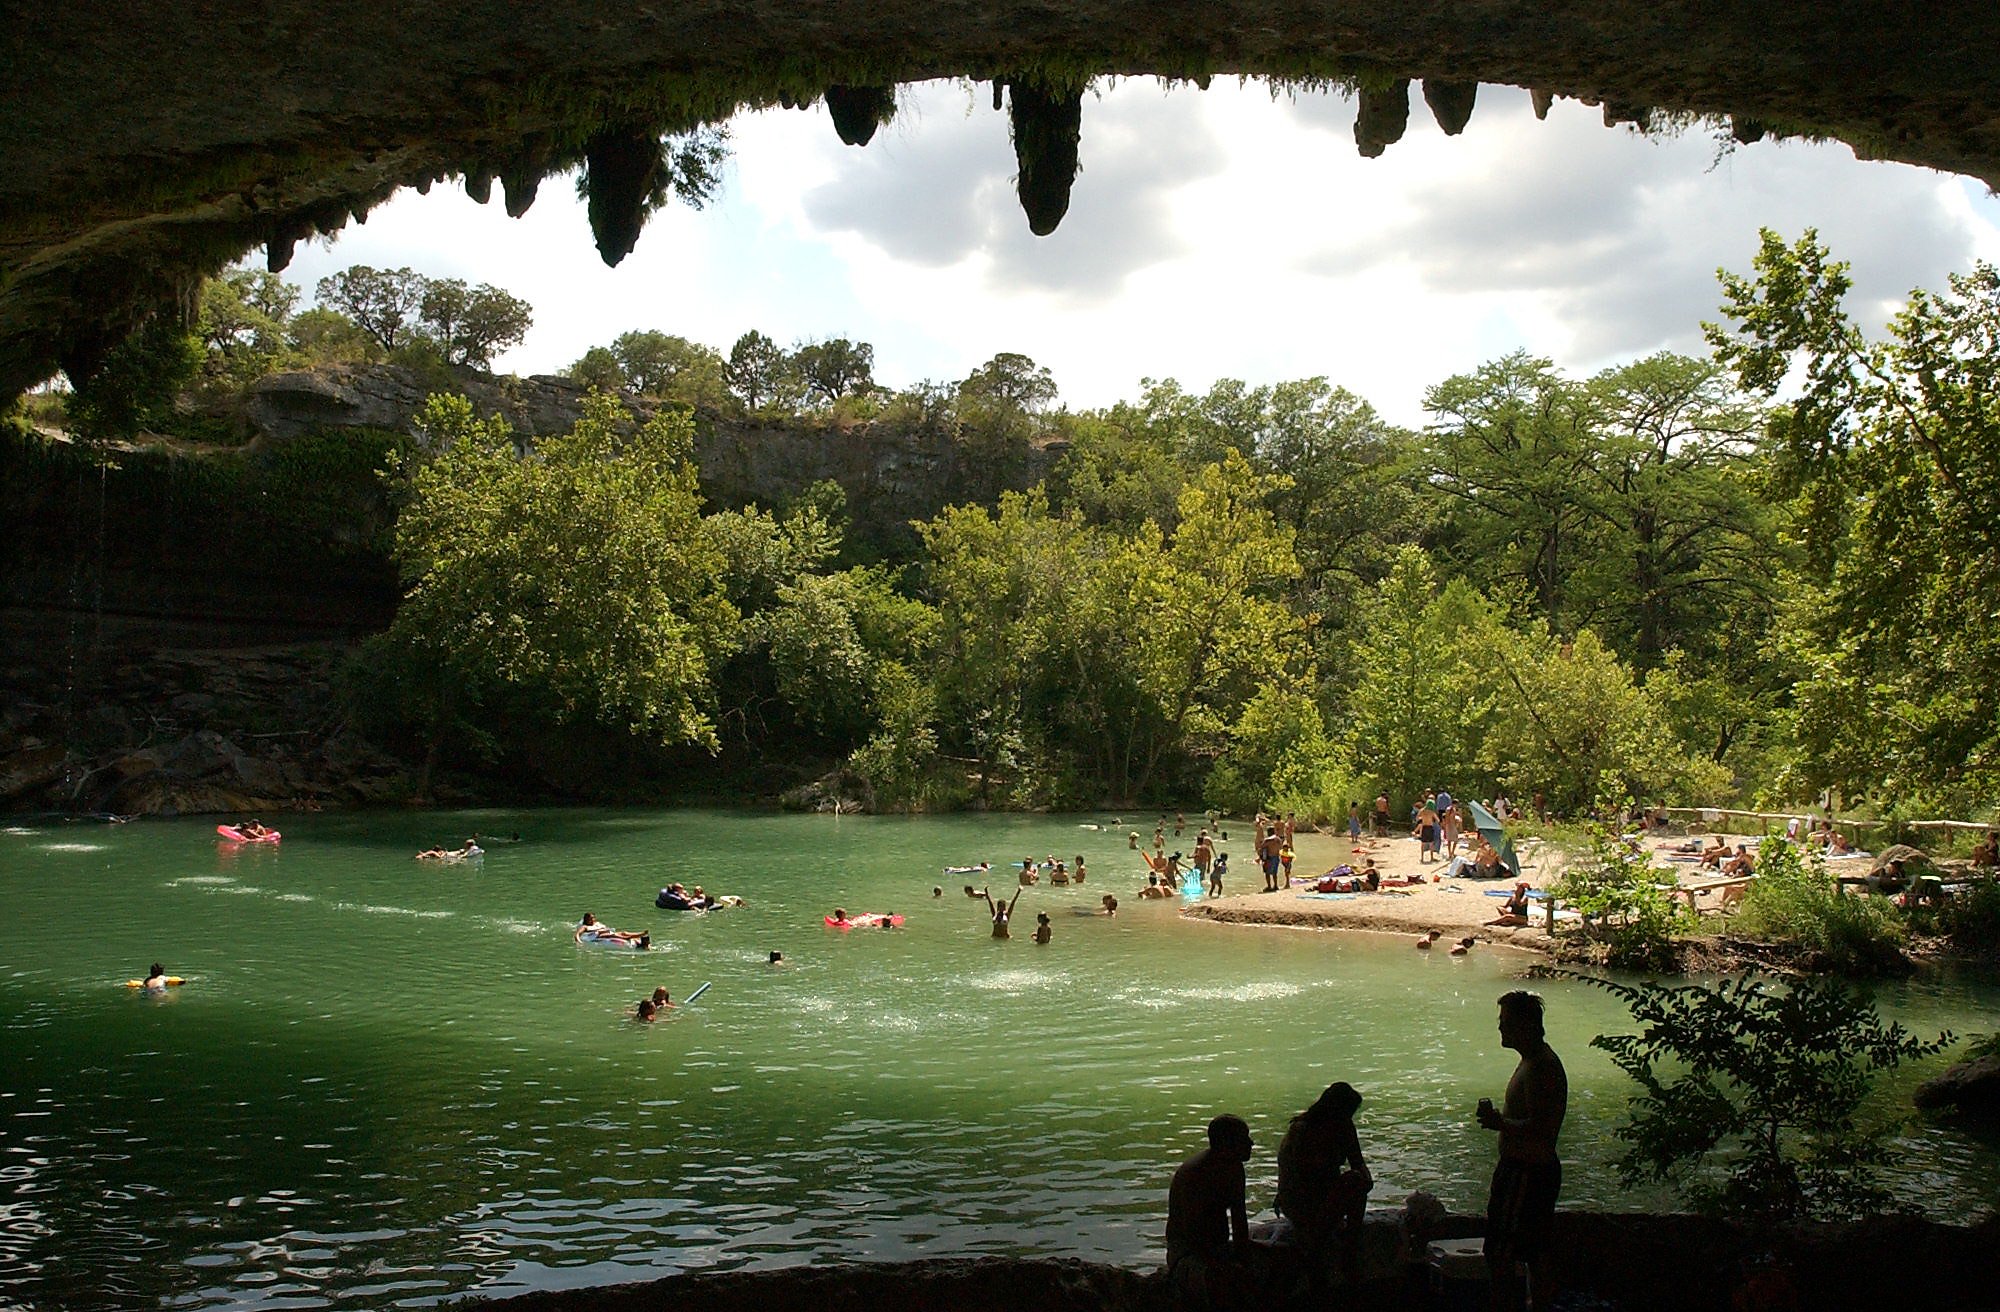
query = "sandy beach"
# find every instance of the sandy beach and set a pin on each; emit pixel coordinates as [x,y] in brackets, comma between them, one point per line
[1455,906]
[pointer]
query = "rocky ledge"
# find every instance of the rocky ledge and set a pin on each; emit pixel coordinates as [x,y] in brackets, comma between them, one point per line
[1635,1262]
[188,733]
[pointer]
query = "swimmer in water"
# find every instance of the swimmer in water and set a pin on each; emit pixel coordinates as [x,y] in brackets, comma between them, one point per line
[777,959]
[1002,913]
[660,1000]
[156,979]
[1110,905]
[1043,930]
[645,1011]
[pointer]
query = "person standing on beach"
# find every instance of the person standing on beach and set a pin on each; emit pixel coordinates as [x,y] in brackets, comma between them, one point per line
[1381,815]
[1522,1204]
[1268,847]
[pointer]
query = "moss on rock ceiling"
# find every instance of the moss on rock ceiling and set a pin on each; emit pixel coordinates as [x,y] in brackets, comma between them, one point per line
[146,146]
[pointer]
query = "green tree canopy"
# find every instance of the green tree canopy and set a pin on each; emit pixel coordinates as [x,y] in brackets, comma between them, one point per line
[1886,452]
[583,574]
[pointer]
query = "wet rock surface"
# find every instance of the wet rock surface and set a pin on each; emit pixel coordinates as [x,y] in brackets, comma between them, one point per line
[188,733]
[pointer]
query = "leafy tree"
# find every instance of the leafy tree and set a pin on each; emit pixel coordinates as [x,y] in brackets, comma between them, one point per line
[383,303]
[598,368]
[1214,625]
[323,336]
[758,371]
[833,369]
[900,759]
[1510,451]
[1885,450]
[1751,1094]
[1349,502]
[1570,722]
[1687,548]
[1010,381]
[1200,430]
[583,574]
[986,575]
[1116,471]
[242,321]
[136,384]
[667,367]
[1279,756]
[469,324]
[1414,705]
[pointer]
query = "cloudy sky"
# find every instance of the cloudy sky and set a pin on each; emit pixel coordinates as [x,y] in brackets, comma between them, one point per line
[1217,234]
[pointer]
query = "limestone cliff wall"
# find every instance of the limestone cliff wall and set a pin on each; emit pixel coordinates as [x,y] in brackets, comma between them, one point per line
[891,474]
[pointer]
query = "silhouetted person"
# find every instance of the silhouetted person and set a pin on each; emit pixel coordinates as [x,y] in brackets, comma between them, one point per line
[1522,1203]
[1208,1224]
[1323,1185]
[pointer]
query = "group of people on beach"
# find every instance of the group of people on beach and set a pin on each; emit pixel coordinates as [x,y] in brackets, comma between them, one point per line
[1214,1265]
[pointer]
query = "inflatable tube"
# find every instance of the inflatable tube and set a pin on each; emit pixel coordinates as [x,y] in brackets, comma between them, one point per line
[664,903]
[235,835]
[605,941]
[174,980]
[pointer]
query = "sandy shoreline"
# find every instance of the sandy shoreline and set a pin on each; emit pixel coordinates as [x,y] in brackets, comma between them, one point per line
[1457,907]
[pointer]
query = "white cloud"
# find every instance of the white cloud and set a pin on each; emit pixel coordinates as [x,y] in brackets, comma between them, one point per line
[1210,234]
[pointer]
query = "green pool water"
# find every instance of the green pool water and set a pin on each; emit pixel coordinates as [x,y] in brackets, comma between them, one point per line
[390,1083]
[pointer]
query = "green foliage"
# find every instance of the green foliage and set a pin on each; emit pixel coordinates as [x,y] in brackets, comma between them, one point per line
[900,760]
[402,311]
[1622,902]
[1794,901]
[1972,919]
[1009,381]
[242,323]
[382,303]
[583,575]
[1279,734]
[1752,1094]
[136,385]
[469,324]
[759,373]
[833,369]
[323,336]
[1884,452]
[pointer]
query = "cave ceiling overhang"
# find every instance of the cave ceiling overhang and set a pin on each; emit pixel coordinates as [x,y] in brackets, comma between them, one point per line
[146,146]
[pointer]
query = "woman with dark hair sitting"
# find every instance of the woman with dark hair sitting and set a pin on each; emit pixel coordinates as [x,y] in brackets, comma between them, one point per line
[1323,1185]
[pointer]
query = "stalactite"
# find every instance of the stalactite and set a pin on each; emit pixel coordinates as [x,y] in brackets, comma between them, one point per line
[621,169]
[1048,128]
[858,111]
[1451,103]
[1382,118]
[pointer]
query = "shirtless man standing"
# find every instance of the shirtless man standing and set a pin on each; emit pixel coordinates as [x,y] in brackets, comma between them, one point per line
[1208,1223]
[1522,1203]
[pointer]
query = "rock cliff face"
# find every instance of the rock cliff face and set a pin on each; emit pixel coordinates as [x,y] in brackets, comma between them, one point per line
[891,475]
[289,405]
